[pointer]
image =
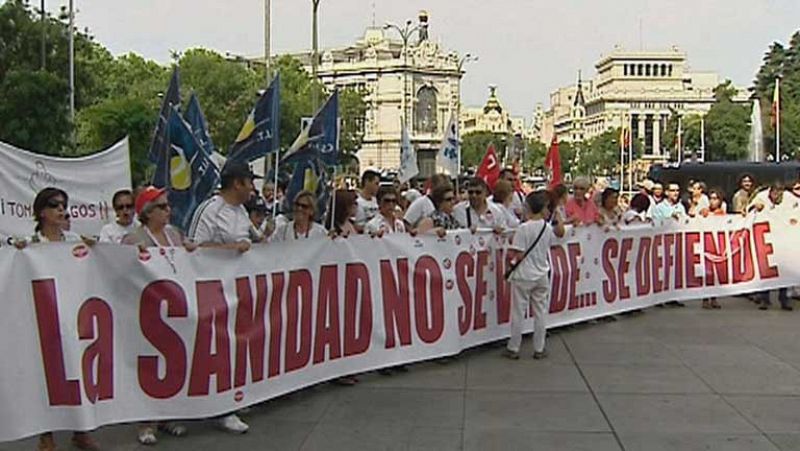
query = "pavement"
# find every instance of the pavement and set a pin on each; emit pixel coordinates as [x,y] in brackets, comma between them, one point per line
[666,379]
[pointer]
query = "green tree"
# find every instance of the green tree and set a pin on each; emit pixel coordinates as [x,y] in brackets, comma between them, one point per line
[34,111]
[600,155]
[727,130]
[352,110]
[474,146]
[535,154]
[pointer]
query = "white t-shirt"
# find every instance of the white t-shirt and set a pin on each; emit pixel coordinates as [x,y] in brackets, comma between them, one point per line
[467,217]
[702,204]
[631,216]
[367,209]
[537,264]
[763,198]
[286,232]
[114,232]
[512,221]
[380,223]
[418,210]
[219,222]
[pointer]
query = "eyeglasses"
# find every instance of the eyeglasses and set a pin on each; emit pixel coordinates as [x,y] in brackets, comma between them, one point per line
[123,207]
[389,200]
[302,206]
[674,190]
[475,192]
[55,203]
[164,206]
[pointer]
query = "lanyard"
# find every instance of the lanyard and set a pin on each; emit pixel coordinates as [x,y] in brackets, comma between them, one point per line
[155,241]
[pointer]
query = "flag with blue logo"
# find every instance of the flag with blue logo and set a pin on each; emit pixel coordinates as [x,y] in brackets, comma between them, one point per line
[197,121]
[193,177]
[259,134]
[408,157]
[159,146]
[321,136]
[448,159]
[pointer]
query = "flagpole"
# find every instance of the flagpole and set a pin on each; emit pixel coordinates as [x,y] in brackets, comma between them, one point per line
[622,154]
[630,155]
[778,120]
[275,186]
[702,138]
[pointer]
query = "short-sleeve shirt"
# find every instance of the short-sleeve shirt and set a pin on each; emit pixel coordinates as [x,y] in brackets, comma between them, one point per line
[537,264]
[493,217]
[219,222]
[418,210]
[586,213]
[114,232]
[380,223]
[366,210]
[285,232]
[665,210]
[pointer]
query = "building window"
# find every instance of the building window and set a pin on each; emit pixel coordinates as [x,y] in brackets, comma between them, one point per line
[626,69]
[669,69]
[647,70]
[640,70]
[425,114]
[663,70]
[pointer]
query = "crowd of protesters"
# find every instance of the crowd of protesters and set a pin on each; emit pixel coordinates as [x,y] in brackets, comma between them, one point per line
[237,217]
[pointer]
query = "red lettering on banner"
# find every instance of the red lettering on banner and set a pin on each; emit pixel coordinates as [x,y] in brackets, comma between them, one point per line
[610,250]
[657,263]
[480,291]
[465,267]
[643,267]
[250,330]
[298,320]
[396,310]
[574,251]
[357,321]
[502,287]
[560,283]
[212,324]
[716,258]
[624,267]
[743,270]
[692,260]
[429,302]
[60,390]
[669,262]
[327,333]
[763,251]
[679,262]
[275,325]
[100,353]
[163,338]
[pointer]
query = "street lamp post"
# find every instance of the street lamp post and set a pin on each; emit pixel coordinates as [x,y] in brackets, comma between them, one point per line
[314,50]
[267,38]
[72,62]
[467,58]
[405,34]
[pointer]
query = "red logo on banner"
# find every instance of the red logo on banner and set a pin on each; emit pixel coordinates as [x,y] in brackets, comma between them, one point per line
[447,263]
[238,396]
[80,251]
[449,285]
[144,255]
[458,240]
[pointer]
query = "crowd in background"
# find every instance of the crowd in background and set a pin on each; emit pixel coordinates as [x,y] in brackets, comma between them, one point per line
[238,217]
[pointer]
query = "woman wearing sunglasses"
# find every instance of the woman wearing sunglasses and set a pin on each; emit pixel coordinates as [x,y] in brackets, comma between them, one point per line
[302,225]
[386,221]
[153,210]
[444,200]
[52,223]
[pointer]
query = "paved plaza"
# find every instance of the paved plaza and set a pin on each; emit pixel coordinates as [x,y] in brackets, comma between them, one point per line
[668,379]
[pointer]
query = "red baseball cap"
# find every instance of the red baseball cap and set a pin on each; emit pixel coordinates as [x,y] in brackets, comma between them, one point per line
[147,195]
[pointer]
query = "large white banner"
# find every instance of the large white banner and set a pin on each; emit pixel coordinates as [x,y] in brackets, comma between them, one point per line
[101,335]
[89,181]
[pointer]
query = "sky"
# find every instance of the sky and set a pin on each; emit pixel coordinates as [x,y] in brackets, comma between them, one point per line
[528,48]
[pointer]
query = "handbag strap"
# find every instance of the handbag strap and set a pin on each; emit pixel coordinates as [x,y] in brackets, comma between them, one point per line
[527,251]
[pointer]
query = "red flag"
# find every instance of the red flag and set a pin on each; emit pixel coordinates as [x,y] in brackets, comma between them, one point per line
[553,163]
[489,170]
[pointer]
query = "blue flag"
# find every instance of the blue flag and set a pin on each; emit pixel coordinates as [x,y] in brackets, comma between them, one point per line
[159,145]
[310,174]
[193,177]
[194,116]
[322,135]
[259,134]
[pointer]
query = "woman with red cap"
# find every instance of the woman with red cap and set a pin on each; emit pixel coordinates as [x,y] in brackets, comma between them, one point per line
[153,211]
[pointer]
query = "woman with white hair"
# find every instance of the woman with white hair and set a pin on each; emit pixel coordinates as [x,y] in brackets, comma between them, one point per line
[580,209]
[154,212]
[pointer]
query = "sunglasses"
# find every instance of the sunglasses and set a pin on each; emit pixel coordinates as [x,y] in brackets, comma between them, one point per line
[55,203]
[164,206]
[123,207]
[302,206]
[389,200]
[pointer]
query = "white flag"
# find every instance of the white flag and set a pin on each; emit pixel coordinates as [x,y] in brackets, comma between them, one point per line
[448,159]
[408,157]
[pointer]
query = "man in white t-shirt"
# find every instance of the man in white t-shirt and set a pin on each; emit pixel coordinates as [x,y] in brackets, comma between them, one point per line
[123,208]
[530,279]
[386,221]
[423,206]
[478,212]
[367,205]
[222,222]
[517,197]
